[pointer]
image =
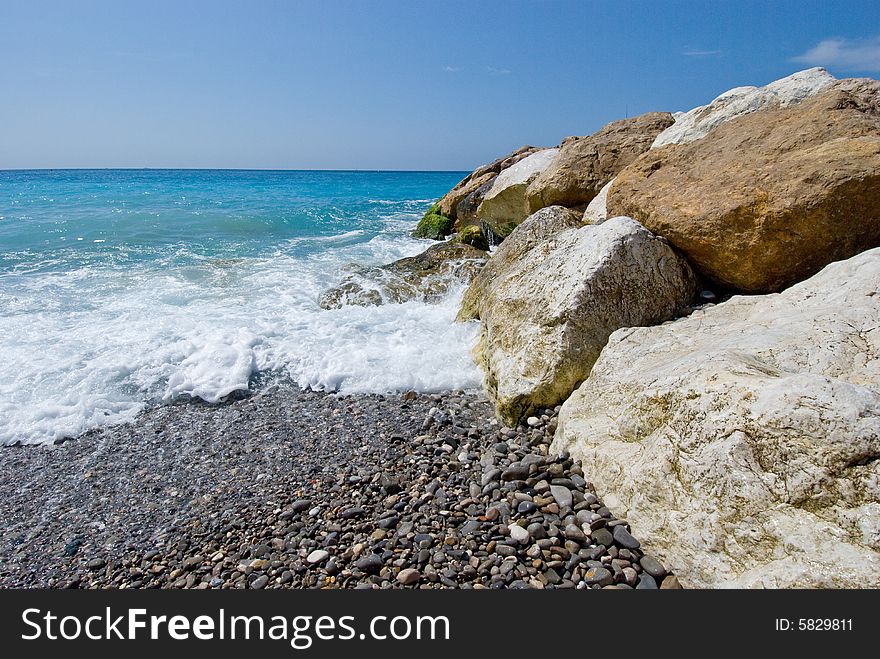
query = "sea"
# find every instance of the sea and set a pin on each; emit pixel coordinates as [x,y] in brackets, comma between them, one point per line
[122,289]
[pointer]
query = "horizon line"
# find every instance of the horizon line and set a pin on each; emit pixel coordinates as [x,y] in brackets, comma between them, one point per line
[225,169]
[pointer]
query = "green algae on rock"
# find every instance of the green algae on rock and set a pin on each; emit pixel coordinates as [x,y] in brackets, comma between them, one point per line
[473,236]
[434,225]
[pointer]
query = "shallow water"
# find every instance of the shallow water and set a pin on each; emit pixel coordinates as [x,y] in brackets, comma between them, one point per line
[123,288]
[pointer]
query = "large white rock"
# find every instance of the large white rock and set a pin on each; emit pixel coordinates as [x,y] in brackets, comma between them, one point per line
[505,205]
[546,316]
[738,101]
[539,227]
[741,442]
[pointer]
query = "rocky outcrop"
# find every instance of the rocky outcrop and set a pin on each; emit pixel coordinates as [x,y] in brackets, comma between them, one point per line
[427,276]
[545,318]
[768,199]
[740,101]
[537,228]
[585,164]
[505,205]
[742,442]
[448,204]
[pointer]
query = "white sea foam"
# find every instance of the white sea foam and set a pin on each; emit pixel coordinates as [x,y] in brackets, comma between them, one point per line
[94,345]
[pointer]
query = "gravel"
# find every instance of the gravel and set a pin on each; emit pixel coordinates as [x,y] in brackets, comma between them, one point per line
[287,488]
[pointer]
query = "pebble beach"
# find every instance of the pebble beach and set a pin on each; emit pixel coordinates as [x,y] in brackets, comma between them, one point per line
[292,488]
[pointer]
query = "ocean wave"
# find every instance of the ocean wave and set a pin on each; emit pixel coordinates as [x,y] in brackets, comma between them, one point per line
[92,346]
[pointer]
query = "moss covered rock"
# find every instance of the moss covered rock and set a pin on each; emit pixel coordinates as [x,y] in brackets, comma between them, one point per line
[434,224]
[473,236]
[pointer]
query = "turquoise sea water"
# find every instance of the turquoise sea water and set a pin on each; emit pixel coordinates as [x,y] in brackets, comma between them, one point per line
[124,288]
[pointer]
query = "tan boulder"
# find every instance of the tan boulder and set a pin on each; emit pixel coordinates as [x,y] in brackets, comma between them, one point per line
[742,442]
[767,199]
[585,164]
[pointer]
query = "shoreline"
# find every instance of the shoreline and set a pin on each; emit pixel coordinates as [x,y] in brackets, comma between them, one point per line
[297,488]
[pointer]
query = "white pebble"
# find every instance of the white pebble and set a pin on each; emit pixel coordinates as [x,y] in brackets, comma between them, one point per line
[317,556]
[518,533]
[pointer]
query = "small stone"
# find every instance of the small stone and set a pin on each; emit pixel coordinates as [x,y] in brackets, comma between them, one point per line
[537,530]
[370,564]
[652,566]
[260,582]
[300,505]
[423,540]
[351,513]
[602,536]
[552,576]
[623,538]
[505,550]
[526,507]
[389,484]
[515,472]
[533,422]
[598,575]
[646,582]
[572,532]
[408,576]
[469,527]
[388,522]
[317,556]
[72,547]
[96,564]
[519,534]
[491,475]
[562,495]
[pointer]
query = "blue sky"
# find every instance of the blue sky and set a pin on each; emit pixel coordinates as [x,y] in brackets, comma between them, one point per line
[382,84]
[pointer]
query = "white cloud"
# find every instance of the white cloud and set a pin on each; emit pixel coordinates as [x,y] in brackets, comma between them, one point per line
[497,72]
[849,54]
[451,69]
[701,53]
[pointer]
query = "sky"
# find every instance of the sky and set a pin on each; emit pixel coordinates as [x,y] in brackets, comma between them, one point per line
[384,84]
